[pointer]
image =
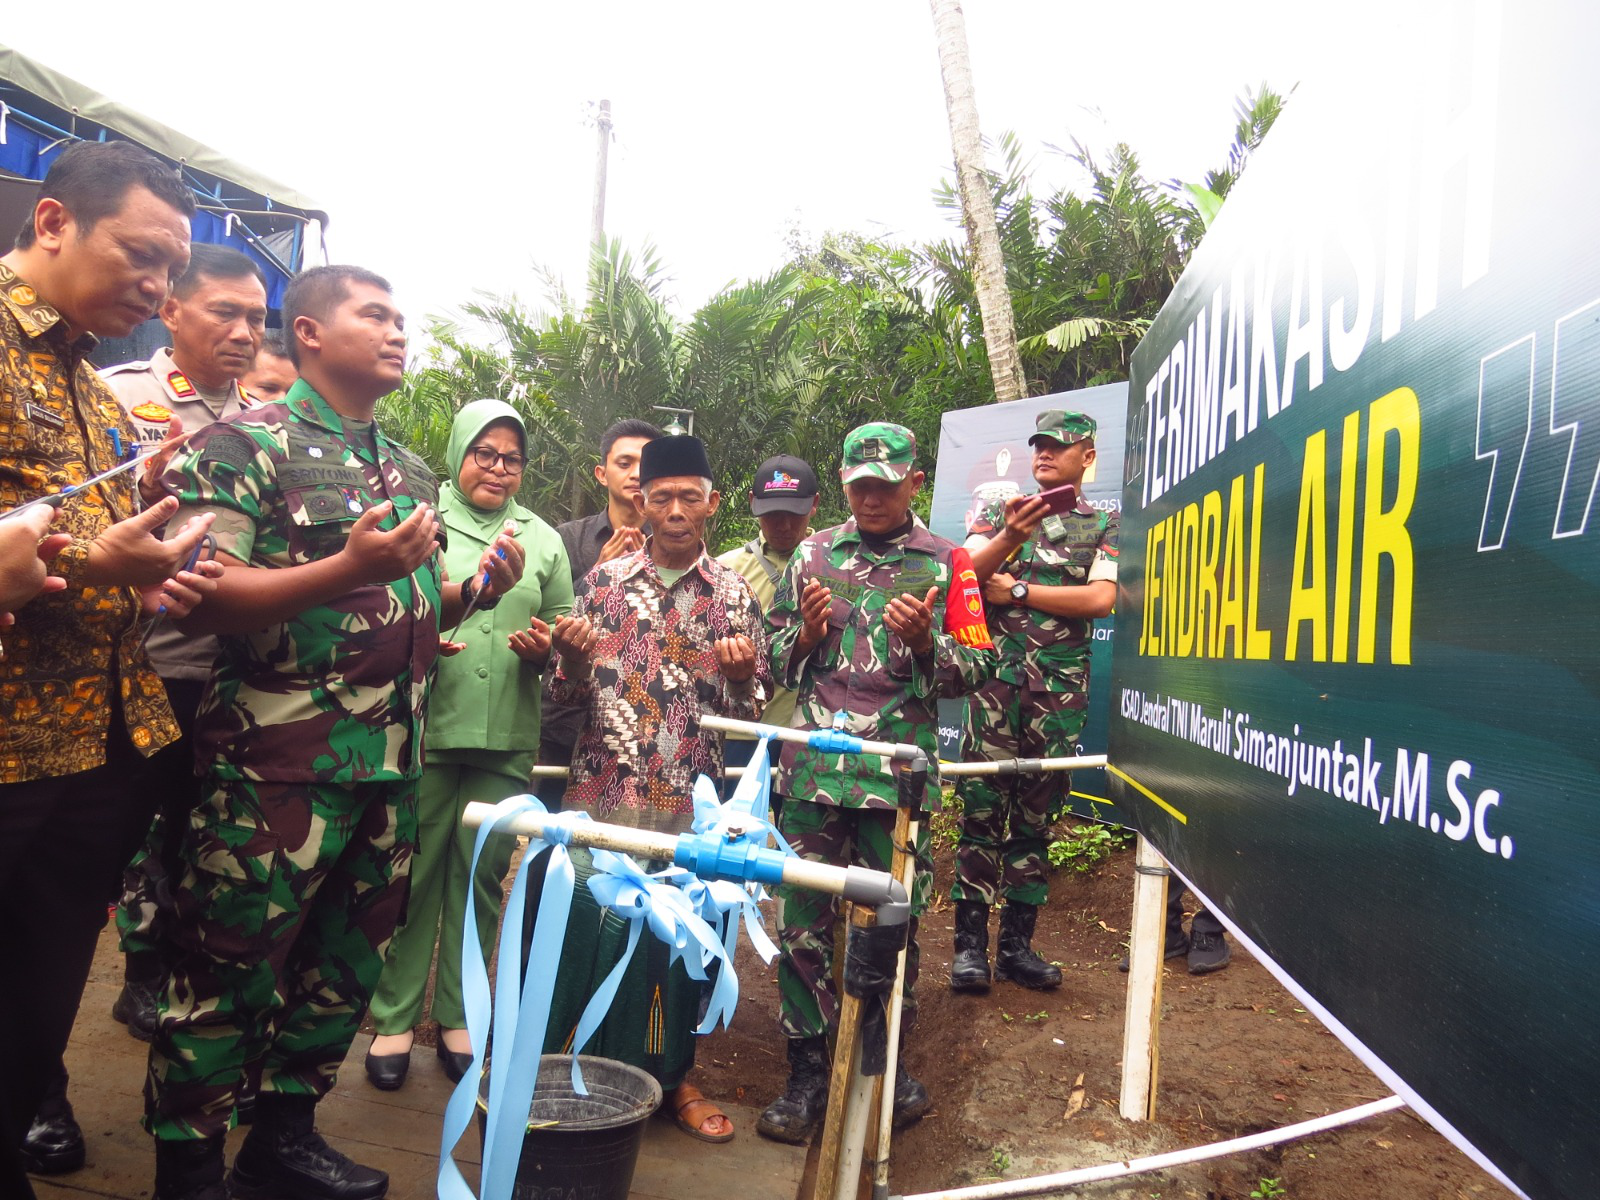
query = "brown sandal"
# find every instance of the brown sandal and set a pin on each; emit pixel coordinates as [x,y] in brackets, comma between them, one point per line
[686,1097]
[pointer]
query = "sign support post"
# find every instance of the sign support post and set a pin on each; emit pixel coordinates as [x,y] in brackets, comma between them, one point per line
[1141,1031]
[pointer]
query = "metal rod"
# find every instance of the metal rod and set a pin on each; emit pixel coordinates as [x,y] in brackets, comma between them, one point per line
[56,499]
[1041,1185]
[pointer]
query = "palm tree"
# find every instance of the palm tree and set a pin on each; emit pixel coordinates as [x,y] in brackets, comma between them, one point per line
[977,203]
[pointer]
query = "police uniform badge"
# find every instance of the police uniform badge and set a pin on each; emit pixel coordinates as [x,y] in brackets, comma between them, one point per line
[180,385]
[150,410]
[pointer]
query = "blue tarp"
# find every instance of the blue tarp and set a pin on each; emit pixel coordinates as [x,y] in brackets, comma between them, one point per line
[42,112]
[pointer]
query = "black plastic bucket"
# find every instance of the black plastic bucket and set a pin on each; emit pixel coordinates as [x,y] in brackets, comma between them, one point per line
[581,1147]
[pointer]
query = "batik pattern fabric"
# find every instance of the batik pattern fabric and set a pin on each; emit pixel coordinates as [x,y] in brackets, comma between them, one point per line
[73,653]
[652,674]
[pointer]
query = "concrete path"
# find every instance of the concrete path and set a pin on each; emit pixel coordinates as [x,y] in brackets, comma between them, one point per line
[395,1131]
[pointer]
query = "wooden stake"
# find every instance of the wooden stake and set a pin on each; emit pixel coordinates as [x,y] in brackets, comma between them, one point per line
[1140,1028]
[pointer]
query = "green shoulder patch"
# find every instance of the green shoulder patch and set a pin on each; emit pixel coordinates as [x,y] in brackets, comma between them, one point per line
[228,447]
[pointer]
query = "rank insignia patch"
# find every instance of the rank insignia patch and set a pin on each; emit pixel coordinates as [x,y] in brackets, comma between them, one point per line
[153,412]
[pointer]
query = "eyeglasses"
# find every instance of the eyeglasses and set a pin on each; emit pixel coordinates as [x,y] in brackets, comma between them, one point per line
[486,457]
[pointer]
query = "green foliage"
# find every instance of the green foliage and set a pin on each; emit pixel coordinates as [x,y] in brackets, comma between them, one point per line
[850,330]
[1085,847]
[944,826]
[1269,1189]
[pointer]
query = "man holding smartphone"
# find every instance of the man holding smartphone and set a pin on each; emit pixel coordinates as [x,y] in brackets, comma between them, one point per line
[1048,564]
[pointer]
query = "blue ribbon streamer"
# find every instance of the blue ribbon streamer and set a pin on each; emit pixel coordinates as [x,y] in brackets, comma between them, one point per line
[698,919]
[519,1020]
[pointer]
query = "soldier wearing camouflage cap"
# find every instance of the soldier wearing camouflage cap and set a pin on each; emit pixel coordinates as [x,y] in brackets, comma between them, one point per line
[875,620]
[310,738]
[1046,576]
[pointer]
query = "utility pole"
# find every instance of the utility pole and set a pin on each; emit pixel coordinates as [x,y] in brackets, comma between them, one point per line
[597,234]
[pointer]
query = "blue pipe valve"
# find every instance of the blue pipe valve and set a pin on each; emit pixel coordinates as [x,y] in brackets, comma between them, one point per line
[728,856]
[834,741]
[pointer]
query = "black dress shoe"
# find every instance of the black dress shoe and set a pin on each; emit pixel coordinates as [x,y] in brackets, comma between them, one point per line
[54,1145]
[387,1072]
[455,1065]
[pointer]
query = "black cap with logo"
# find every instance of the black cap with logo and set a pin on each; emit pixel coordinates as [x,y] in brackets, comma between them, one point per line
[783,484]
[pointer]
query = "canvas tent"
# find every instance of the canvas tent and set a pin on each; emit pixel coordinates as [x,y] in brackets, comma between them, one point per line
[42,112]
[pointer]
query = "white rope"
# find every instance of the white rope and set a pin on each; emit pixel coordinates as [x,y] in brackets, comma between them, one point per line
[1040,1185]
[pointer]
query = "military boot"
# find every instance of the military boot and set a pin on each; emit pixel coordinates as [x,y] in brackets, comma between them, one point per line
[1016,960]
[190,1170]
[911,1099]
[792,1116]
[285,1157]
[144,978]
[970,970]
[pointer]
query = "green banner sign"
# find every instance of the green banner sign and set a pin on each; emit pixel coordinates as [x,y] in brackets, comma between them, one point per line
[1357,686]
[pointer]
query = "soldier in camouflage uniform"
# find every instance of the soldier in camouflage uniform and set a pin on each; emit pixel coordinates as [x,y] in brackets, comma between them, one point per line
[875,620]
[310,735]
[1046,577]
[215,316]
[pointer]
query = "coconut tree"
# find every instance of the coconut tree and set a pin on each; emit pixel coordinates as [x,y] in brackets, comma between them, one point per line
[977,202]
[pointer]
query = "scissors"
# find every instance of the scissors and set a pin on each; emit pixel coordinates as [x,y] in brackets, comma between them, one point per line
[205,548]
[477,595]
[57,499]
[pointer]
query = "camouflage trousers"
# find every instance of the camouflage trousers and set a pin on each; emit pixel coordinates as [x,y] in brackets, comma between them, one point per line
[1005,820]
[289,896]
[808,1003]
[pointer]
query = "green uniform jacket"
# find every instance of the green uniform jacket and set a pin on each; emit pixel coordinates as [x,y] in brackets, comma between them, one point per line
[486,698]
[338,693]
[860,669]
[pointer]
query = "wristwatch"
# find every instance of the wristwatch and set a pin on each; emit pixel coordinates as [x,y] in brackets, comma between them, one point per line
[1019,592]
[469,589]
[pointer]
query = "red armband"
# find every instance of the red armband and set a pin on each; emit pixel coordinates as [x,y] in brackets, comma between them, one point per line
[964,619]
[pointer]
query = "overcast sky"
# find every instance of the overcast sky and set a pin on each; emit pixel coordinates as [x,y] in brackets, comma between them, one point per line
[453,144]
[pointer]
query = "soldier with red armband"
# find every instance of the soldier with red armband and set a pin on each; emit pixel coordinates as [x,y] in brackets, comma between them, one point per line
[875,621]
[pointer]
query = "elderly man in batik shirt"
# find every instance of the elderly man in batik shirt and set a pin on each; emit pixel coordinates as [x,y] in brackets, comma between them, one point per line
[656,638]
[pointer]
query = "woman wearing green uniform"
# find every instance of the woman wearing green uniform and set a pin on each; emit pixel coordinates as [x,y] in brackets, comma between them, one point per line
[480,741]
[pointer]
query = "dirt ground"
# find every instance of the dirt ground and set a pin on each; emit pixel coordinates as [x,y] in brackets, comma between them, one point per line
[1237,1055]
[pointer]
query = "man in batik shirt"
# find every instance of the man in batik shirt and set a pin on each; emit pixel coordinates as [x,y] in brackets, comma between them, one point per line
[656,638]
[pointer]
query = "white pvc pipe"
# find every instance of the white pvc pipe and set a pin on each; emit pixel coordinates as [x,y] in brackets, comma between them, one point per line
[755,729]
[851,882]
[1080,762]
[1040,1185]
[1075,762]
